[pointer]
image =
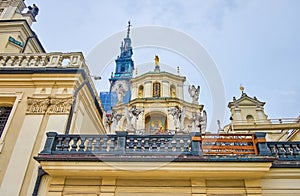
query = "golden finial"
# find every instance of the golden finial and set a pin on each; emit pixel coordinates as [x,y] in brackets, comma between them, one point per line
[156,59]
[242,88]
[178,72]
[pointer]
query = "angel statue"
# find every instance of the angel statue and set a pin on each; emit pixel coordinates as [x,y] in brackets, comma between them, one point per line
[132,116]
[199,121]
[178,116]
[194,93]
[120,93]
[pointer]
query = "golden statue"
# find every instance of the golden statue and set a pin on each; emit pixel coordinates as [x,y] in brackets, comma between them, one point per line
[156,59]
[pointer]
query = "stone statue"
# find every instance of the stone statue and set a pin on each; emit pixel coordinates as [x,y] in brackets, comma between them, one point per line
[116,120]
[111,121]
[108,120]
[194,93]
[199,121]
[120,93]
[203,121]
[178,116]
[34,10]
[132,116]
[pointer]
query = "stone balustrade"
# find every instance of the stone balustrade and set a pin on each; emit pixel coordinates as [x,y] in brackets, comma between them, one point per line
[42,60]
[232,146]
[285,150]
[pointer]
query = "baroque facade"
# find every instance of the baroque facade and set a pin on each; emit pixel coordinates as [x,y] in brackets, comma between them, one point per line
[58,137]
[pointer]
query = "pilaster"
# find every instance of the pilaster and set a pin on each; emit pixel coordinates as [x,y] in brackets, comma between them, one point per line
[108,186]
[198,187]
[253,187]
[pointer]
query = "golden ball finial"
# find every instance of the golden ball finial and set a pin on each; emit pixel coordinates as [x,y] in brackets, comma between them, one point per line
[242,88]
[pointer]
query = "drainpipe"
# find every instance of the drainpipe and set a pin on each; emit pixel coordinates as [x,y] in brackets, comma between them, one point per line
[27,40]
[68,126]
[41,173]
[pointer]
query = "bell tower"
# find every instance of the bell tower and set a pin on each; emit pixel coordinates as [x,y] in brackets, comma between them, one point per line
[120,87]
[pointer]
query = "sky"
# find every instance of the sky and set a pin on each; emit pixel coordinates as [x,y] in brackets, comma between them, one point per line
[255,43]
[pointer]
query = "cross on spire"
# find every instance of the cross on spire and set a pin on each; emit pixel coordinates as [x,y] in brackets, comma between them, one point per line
[128,28]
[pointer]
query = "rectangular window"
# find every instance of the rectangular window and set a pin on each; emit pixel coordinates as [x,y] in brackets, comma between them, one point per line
[8,106]
[4,114]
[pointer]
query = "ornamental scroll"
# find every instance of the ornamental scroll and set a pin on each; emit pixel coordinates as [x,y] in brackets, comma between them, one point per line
[49,105]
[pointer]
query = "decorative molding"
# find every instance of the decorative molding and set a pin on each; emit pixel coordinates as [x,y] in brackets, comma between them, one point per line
[60,105]
[37,105]
[49,105]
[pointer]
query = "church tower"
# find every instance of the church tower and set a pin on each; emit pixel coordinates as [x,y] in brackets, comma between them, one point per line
[120,88]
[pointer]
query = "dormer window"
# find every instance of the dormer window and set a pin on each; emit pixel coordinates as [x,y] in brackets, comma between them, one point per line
[156,89]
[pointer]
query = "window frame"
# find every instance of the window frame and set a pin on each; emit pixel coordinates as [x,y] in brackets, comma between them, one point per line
[17,97]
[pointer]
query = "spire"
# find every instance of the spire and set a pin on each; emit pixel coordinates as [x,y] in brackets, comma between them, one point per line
[128,28]
[124,63]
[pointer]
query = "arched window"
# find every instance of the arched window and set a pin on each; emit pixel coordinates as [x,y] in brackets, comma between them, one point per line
[250,119]
[173,91]
[141,91]
[4,114]
[156,89]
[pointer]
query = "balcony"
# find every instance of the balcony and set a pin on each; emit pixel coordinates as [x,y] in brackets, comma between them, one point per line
[191,147]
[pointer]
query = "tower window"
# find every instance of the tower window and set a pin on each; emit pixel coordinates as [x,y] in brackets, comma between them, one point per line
[4,114]
[141,91]
[156,89]
[122,68]
[173,91]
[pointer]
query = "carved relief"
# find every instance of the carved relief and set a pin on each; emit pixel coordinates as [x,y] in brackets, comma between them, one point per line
[60,105]
[49,105]
[37,105]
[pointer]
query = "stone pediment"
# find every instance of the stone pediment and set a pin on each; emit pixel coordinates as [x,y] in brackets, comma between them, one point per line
[245,100]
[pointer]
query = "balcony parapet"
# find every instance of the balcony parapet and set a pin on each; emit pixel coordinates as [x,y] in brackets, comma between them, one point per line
[188,147]
[43,60]
[270,124]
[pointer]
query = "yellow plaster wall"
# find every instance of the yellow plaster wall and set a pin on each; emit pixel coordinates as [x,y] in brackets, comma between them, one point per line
[26,133]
